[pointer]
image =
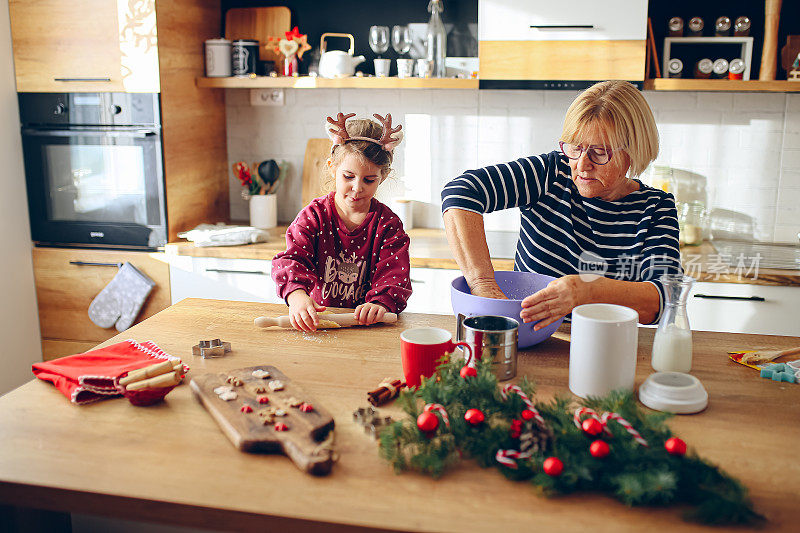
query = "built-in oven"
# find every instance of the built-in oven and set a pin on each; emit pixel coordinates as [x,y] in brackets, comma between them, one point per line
[94,169]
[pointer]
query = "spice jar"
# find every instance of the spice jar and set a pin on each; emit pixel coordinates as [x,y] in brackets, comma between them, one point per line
[703,68]
[741,28]
[674,68]
[675,27]
[696,26]
[736,69]
[722,27]
[693,223]
[720,68]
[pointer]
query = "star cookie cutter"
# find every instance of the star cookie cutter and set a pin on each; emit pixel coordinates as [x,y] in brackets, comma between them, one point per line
[211,349]
[371,420]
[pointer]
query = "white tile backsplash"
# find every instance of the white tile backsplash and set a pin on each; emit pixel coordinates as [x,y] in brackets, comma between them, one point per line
[739,152]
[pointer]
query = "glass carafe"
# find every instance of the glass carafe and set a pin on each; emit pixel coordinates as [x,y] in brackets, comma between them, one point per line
[437,39]
[672,345]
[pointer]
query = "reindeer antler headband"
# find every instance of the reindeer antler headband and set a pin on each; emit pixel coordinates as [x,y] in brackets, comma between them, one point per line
[390,137]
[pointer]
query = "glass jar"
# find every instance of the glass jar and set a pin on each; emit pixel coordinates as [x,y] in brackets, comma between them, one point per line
[660,177]
[672,344]
[693,223]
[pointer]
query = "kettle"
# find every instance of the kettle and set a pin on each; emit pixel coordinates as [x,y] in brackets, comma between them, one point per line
[337,63]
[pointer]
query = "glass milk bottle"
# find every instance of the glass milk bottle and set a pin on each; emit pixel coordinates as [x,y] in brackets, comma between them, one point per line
[672,345]
[437,39]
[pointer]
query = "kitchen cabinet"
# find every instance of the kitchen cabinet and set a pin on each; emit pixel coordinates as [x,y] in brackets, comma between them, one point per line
[776,315]
[87,46]
[68,279]
[143,46]
[549,41]
[431,290]
[242,280]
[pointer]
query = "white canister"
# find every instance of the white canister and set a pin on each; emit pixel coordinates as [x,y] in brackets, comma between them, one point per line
[602,352]
[404,209]
[264,211]
[218,58]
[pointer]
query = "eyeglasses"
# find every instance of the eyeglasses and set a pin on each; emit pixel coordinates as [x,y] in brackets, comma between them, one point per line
[598,155]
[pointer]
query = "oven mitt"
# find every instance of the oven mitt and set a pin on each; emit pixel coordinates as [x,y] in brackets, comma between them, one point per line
[122,299]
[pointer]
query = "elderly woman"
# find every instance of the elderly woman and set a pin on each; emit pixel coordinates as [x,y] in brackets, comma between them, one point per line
[585,219]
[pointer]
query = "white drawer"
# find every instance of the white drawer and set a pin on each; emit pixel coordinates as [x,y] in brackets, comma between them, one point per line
[778,314]
[511,20]
[246,280]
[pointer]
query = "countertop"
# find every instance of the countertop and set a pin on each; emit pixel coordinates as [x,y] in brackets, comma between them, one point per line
[171,463]
[429,249]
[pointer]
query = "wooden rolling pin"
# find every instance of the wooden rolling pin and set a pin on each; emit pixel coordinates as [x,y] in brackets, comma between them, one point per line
[342,319]
[151,371]
[769,52]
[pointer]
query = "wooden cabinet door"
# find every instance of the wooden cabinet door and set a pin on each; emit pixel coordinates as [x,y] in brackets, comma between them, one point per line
[585,40]
[64,289]
[86,46]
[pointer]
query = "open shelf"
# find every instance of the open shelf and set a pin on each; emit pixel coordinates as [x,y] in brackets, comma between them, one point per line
[308,82]
[680,84]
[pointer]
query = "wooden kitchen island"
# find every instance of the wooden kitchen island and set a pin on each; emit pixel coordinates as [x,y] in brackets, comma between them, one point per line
[171,463]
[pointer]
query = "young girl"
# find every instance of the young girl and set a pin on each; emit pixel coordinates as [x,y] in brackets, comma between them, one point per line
[347,249]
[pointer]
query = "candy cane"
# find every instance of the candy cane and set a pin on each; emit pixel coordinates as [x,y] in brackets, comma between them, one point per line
[514,388]
[591,412]
[624,423]
[507,457]
[440,408]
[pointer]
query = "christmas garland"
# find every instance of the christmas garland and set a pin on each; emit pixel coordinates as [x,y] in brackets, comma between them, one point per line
[606,445]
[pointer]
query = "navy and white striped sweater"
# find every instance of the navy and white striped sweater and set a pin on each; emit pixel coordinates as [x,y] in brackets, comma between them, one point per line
[634,238]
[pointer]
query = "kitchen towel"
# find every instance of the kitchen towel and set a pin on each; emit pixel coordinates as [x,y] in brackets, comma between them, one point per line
[120,301]
[92,376]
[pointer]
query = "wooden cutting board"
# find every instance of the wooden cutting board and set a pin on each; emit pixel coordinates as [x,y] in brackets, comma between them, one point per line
[316,178]
[247,430]
[258,23]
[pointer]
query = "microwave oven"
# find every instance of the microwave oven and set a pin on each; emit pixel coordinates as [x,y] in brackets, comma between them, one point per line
[94,169]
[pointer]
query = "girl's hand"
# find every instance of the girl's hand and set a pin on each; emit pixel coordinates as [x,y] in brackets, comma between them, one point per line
[556,300]
[303,311]
[369,313]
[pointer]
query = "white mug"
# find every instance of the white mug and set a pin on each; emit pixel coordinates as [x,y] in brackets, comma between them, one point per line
[602,352]
[424,68]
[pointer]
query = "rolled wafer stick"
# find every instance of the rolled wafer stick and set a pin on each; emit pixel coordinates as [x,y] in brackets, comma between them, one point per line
[342,319]
[148,372]
[157,382]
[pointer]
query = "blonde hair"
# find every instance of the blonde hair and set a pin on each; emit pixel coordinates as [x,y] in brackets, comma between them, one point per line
[623,118]
[372,152]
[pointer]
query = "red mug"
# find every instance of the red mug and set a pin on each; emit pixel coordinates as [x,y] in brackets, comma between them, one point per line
[423,348]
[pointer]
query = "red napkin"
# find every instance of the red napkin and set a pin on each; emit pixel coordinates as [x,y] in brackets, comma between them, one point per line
[92,376]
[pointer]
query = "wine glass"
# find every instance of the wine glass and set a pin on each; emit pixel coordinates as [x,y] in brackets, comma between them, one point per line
[401,39]
[379,39]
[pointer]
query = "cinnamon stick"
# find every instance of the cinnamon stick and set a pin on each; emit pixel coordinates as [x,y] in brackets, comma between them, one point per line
[386,391]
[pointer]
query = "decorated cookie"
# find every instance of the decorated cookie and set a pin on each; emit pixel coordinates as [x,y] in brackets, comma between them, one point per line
[223,388]
[276,385]
[263,399]
[294,402]
[228,396]
[247,409]
[261,374]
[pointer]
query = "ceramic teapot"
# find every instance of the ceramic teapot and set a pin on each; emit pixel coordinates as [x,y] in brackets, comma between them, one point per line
[337,63]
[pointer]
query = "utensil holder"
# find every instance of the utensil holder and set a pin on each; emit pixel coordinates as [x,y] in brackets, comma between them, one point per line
[263,211]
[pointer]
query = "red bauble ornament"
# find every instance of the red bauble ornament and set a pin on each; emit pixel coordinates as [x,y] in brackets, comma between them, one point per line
[553,466]
[468,372]
[474,416]
[527,414]
[675,446]
[592,426]
[427,422]
[599,449]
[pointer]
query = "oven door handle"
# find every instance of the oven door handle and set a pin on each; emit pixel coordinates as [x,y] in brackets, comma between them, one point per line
[139,134]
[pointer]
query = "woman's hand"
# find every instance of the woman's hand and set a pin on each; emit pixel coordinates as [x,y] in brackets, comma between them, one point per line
[556,300]
[487,289]
[303,311]
[369,313]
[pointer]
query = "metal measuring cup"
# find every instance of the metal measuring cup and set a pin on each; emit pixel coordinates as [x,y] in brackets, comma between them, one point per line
[492,338]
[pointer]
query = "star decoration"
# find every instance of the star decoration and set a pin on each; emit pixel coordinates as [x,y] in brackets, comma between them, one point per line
[290,35]
[304,46]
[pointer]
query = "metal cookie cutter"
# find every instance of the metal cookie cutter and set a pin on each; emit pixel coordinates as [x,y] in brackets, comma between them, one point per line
[371,420]
[212,348]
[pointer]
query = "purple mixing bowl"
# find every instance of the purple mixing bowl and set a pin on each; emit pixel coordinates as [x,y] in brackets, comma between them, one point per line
[517,286]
